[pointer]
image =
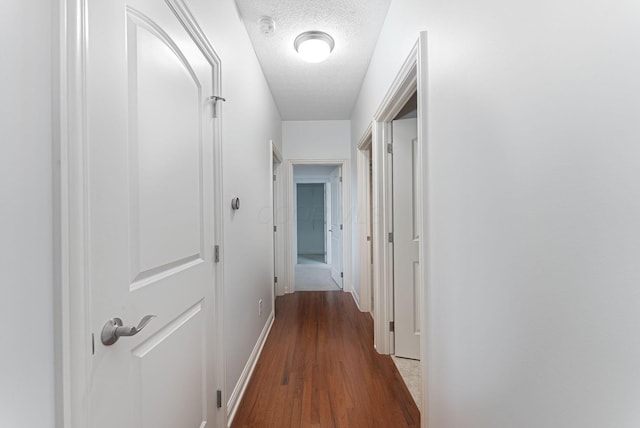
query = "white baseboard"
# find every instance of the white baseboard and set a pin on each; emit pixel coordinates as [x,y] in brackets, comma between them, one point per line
[241,386]
[356,299]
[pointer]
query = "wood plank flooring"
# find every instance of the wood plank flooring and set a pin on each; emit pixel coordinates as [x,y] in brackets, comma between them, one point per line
[318,368]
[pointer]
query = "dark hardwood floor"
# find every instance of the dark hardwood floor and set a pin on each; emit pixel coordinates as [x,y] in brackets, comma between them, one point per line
[318,368]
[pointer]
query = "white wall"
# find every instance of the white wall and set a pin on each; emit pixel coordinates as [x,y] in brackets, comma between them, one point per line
[26,259]
[319,172]
[249,120]
[320,139]
[535,205]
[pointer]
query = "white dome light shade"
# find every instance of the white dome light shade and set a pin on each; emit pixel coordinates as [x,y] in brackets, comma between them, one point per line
[314,46]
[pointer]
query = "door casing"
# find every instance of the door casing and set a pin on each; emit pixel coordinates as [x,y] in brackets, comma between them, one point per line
[365,238]
[276,197]
[404,86]
[290,247]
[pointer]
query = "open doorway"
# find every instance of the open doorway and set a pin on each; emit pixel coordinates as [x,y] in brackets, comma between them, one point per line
[406,214]
[337,274]
[318,227]
[311,215]
[399,174]
[405,178]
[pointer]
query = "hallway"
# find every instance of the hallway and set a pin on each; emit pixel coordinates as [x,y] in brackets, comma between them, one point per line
[318,368]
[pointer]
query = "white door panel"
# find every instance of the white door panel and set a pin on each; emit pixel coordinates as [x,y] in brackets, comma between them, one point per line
[150,238]
[406,239]
[151,375]
[336,226]
[165,152]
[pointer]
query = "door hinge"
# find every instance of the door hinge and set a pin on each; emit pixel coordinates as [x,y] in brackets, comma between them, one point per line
[341,274]
[93,344]
[216,254]
[392,326]
[275,279]
[275,228]
[368,238]
[390,148]
[340,227]
[340,179]
[219,399]
[274,177]
[391,237]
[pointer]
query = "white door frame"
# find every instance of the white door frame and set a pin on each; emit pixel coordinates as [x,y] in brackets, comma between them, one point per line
[411,78]
[401,90]
[290,256]
[73,339]
[276,197]
[364,221]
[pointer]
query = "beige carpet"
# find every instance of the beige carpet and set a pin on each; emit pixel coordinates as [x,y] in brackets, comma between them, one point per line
[311,259]
[314,277]
[411,374]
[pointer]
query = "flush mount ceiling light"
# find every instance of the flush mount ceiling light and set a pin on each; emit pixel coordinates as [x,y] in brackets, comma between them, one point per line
[314,46]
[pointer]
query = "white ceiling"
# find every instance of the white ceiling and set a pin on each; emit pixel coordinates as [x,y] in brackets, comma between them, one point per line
[323,91]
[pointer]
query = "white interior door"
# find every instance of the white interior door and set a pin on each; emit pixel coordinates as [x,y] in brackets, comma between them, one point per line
[274,194]
[406,220]
[149,168]
[326,225]
[370,228]
[328,216]
[336,226]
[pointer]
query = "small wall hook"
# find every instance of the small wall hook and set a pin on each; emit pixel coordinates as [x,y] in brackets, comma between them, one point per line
[213,99]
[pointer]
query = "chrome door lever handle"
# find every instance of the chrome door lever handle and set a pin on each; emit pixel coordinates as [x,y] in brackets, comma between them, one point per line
[113,329]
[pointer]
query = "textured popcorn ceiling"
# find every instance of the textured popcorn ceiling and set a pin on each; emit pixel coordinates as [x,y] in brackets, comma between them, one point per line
[327,90]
